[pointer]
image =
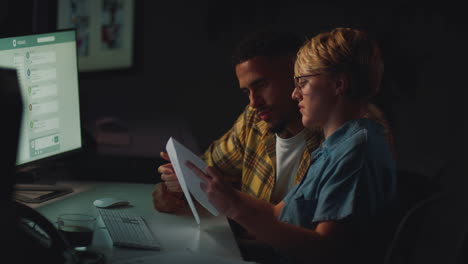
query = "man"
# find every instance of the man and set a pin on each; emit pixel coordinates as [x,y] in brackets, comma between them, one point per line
[267,151]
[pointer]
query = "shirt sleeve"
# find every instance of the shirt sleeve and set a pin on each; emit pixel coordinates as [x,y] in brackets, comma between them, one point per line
[338,194]
[226,153]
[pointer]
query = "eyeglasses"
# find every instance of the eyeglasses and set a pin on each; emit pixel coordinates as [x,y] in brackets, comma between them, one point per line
[299,83]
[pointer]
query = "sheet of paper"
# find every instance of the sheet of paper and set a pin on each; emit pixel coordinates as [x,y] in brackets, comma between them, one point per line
[188,180]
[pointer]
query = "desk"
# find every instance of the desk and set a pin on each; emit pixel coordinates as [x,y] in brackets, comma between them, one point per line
[175,232]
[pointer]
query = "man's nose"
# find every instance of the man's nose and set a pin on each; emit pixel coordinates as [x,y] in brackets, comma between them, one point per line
[255,100]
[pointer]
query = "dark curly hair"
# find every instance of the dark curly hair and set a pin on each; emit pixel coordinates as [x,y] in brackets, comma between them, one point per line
[266,43]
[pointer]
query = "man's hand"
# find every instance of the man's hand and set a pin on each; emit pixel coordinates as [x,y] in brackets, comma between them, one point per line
[168,175]
[165,201]
[167,195]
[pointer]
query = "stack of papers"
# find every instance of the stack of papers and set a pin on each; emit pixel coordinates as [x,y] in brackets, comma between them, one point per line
[188,180]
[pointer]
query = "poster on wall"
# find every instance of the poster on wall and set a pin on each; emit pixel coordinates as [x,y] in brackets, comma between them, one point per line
[104,31]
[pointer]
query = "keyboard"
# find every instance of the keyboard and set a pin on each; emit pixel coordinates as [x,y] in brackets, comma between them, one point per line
[128,230]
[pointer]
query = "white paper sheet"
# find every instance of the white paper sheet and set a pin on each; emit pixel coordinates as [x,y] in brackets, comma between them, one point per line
[188,180]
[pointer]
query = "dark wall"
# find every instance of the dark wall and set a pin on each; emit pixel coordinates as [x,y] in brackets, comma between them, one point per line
[182,66]
[423,48]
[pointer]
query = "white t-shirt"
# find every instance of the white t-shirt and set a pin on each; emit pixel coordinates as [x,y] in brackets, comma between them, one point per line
[288,154]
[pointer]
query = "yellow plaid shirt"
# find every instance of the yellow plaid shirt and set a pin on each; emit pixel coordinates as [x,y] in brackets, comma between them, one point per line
[246,154]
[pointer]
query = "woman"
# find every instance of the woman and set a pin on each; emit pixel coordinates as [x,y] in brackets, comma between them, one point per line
[328,216]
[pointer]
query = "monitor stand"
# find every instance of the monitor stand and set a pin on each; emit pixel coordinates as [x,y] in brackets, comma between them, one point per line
[30,188]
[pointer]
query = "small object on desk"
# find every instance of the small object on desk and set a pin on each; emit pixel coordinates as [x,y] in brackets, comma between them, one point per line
[78,229]
[128,230]
[109,202]
[38,193]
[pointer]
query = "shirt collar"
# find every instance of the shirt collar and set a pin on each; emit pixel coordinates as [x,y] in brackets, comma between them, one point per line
[344,132]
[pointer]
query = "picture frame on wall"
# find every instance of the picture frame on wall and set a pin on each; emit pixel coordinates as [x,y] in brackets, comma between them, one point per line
[104,31]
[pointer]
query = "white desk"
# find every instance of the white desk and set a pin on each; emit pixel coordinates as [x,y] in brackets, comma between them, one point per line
[175,232]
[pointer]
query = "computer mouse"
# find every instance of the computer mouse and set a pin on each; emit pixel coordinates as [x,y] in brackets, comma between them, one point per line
[109,202]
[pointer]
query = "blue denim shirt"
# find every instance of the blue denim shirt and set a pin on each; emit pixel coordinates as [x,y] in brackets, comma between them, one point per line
[352,173]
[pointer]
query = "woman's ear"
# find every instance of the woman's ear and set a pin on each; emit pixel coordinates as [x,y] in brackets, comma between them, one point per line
[341,84]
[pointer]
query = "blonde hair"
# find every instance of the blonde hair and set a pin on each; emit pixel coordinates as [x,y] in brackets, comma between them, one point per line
[347,51]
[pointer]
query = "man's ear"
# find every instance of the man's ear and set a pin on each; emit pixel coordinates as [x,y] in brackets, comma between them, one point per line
[341,84]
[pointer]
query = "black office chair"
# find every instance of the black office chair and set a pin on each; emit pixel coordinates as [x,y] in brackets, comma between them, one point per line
[463,251]
[402,246]
[415,193]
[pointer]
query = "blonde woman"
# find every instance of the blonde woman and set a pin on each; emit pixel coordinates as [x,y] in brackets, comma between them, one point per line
[327,217]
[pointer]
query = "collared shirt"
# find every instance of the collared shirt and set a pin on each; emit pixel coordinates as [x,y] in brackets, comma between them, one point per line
[352,173]
[246,154]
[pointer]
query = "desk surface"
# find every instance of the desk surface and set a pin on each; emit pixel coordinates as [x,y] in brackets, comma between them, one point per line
[176,232]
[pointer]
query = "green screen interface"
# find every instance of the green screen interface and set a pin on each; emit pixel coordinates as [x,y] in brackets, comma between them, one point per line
[48,75]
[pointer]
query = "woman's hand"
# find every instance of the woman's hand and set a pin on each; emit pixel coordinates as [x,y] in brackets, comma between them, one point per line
[221,194]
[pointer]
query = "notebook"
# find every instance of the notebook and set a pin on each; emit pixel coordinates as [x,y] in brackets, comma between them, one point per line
[189,181]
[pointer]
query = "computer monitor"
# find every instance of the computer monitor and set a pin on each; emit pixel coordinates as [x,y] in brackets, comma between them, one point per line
[47,70]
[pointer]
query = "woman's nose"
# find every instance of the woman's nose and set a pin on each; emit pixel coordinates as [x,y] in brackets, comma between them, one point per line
[296,94]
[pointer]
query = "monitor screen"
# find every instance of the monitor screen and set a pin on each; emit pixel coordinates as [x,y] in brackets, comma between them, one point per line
[48,75]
